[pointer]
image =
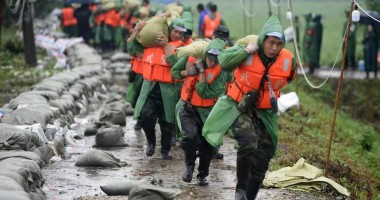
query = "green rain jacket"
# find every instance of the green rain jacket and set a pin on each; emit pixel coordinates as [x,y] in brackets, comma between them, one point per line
[169,92]
[214,90]
[225,110]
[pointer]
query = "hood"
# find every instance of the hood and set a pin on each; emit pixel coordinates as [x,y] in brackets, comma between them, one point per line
[177,22]
[272,25]
[214,44]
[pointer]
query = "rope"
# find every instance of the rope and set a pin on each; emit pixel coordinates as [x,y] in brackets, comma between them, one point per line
[245,10]
[275,4]
[366,12]
[300,62]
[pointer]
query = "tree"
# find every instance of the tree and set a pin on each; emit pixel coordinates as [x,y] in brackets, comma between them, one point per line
[373,5]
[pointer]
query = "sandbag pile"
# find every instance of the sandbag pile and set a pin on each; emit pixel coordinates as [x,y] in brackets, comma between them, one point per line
[119,63]
[35,125]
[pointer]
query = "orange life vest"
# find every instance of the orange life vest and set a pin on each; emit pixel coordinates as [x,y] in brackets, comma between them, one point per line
[248,76]
[112,18]
[137,65]
[68,18]
[154,63]
[100,18]
[190,94]
[211,24]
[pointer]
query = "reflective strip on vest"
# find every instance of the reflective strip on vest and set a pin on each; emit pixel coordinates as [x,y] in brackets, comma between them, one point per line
[211,24]
[68,18]
[190,94]
[155,67]
[249,74]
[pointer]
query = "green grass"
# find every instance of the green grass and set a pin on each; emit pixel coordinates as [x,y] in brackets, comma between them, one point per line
[354,160]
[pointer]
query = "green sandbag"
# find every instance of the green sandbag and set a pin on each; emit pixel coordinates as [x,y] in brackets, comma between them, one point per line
[124,187]
[246,40]
[196,49]
[99,158]
[152,192]
[153,27]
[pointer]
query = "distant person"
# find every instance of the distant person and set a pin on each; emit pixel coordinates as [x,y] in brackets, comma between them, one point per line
[202,13]
[371,45]
[249,110]
[315,43]
[307,39]
[351,47]
[211,21]
[83,14]
[68,21]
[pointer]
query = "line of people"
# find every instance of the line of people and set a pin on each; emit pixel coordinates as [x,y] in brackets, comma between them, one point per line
[229,89]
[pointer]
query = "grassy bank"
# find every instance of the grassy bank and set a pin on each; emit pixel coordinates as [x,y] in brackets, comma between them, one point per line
[354,160]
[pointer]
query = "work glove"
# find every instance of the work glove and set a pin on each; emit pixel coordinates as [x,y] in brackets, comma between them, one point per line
[192,71]
[252,47]
[199,66]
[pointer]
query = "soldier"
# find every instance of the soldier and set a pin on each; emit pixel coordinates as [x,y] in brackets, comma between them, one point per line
[249,110]
[68,21]
[351,47]
[371,44]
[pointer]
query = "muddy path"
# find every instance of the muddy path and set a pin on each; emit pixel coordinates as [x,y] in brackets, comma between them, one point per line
[66,181]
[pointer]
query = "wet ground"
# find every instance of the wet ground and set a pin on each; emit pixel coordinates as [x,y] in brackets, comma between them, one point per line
[66,181]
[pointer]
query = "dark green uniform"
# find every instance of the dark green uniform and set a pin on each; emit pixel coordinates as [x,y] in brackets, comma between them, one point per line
[371,44]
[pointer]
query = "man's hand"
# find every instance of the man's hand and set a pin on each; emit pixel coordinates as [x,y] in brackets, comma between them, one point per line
[162,40]
[199,66]
[192,71]
[252,47]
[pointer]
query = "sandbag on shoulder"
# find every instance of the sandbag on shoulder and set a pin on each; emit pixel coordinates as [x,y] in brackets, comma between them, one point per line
[196,49]
[110,136]
[99,158]
[246,40]
[153,27]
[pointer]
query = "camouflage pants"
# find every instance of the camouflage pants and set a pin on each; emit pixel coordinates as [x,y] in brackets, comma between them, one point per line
[253,156]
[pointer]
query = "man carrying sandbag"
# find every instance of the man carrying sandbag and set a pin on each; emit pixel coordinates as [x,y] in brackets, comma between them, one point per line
[158,95]
[249,110]
[204,83]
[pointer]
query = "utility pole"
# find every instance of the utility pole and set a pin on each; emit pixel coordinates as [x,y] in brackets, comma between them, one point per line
[28,35]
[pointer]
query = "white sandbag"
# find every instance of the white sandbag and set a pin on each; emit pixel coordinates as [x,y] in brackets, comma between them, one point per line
[154,27]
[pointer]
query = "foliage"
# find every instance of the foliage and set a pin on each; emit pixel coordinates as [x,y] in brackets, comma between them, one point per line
[44,7]
[14,45]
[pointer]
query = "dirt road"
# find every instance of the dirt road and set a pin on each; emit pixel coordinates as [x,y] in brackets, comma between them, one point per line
[65,181]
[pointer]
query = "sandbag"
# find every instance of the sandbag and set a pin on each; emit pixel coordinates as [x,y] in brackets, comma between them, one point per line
[28,116]
[173,15]
[246,40]
[9,184]
[21,154]
[45,152]
[154,27]
[99,158]
[11,195]
[14,138]
[124,187]
[110,136]
[151,192]
[115,116]
[117,105]
[196,49]
[37,195]
[174,7]
[26,99]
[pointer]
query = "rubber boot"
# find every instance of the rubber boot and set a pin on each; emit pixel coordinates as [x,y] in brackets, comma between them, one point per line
[190,157]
